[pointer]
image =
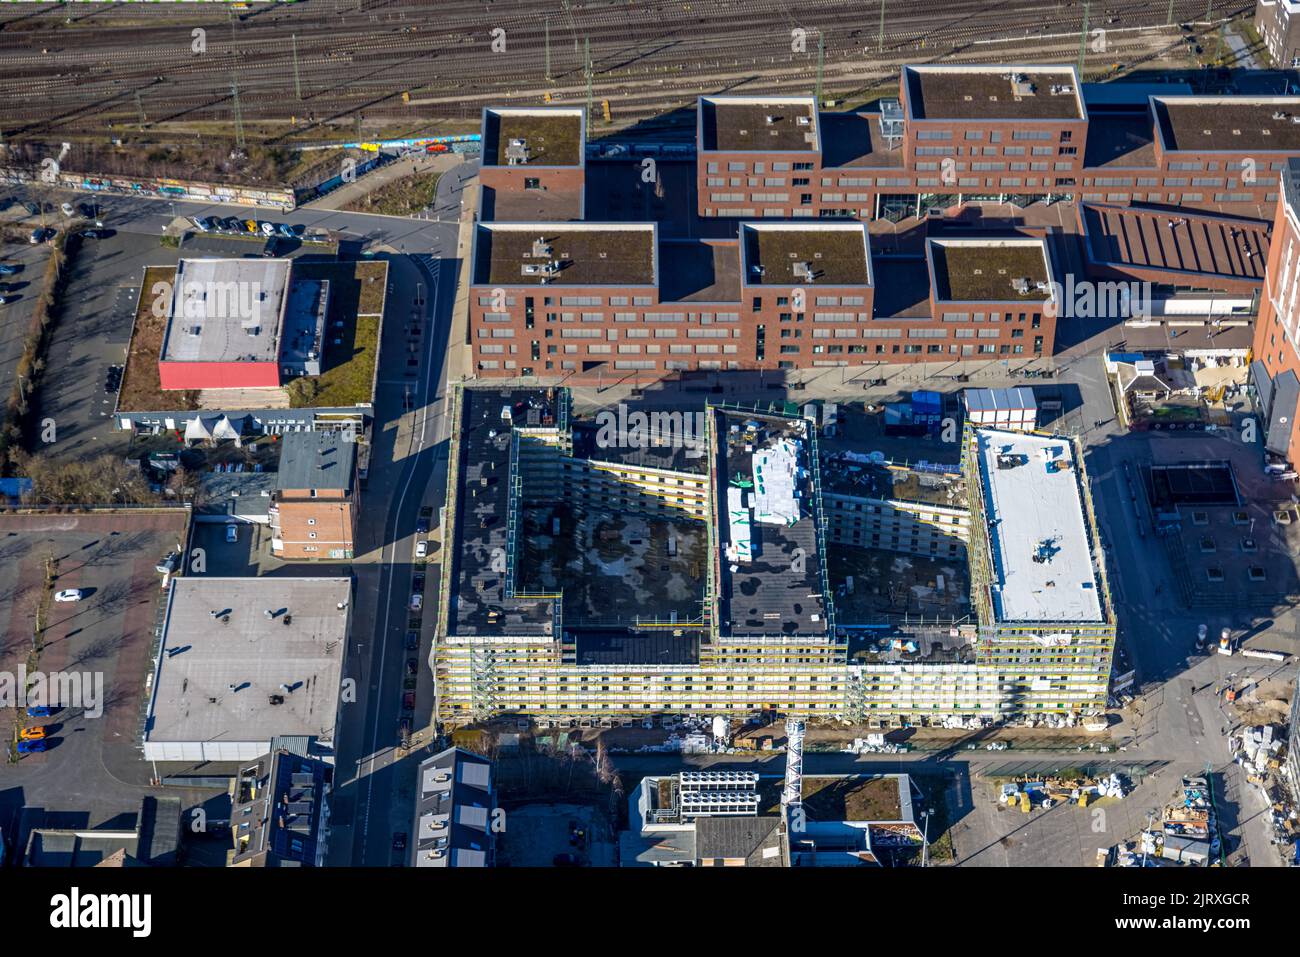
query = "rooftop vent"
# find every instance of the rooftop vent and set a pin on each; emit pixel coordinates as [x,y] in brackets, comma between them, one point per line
[516,151]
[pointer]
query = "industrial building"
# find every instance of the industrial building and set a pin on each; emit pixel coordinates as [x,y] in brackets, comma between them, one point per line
[241,324]
[243,661]
[571,600]
[1278,25]
[739,819]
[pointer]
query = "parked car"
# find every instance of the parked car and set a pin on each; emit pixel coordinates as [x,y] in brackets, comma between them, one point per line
[3,300]
[422,526]
[251,225]
[39,712]
[417,583]
[408,701]
[39,235]
[230,224]
[422,549]
[32,734]
[417,601]
[94,234]
[67,210]
[6,269]
[201,223]
[232,534]
[32,747]
[69,594]
[286,231]
[268,229]
[412,640]
[412,666]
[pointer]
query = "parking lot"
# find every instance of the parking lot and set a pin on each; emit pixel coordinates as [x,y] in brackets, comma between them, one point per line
[93,764]
[21,290]
[90,337]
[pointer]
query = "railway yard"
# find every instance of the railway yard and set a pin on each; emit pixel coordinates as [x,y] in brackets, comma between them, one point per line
[318,70]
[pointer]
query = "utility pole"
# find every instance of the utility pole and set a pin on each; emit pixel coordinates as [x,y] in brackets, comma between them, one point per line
[297,80]
[1083,38]
[547,22]
[239,114]
[587,69]
[139,109]
[880,41]
[821,51]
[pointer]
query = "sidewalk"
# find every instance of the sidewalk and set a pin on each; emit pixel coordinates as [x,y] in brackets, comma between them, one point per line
[395,170]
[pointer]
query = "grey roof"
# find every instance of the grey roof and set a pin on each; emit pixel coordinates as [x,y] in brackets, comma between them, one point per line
[153,840]
[1038,534]
[226,310]
[203,654]
[766,596]
[238,494]
[319,460]
[453,812]
[756,840]
[478,602]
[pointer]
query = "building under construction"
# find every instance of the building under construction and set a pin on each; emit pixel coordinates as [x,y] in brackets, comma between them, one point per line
[671,563]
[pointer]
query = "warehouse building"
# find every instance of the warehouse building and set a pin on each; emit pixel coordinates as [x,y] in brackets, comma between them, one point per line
[566,602]
[245,660]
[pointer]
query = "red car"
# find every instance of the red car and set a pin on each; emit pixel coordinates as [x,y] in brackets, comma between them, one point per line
[436,148]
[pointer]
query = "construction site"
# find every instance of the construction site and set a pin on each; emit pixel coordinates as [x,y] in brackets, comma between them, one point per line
[607,578]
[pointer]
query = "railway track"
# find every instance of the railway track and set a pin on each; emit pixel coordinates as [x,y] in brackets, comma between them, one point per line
[358,59]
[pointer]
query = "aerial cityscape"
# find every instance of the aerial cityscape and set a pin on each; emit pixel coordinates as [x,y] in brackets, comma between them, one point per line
[630,433]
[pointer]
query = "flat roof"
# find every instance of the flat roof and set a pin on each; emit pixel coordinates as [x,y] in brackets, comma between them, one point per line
[203,654]
[700,271]
[544,136]
[1131,236]
[226,310]
[316,460]
[588,254]
[1228,123]
[1120,140]
[1041,553]
[790,254]
[985,270]
[478,602]
[759,124]
[763,595]
[853,141]
[992,92]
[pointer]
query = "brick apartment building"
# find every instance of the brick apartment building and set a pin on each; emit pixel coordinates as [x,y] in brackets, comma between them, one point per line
[534,163]
[1275,372]
[1278,26]
[314,509]
[1013,134]
[597,300]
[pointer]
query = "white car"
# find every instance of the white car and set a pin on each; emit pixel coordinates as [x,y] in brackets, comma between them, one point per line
[421,549]
[417,602]
[69,594]
[67,209]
